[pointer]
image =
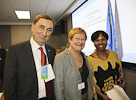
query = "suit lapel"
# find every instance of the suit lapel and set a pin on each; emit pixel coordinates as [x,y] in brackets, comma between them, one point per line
[28,52]
[72,61]
[49,55]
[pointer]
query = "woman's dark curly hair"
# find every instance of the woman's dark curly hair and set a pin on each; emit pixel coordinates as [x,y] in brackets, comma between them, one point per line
[96,34]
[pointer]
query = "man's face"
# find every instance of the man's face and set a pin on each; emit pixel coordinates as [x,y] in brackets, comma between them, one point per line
[42,31]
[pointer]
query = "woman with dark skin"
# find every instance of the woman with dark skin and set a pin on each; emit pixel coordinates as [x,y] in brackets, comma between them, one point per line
[105,65]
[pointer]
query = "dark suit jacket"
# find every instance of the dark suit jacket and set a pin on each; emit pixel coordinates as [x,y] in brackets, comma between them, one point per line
[2,54]
[2,61]
[20,80]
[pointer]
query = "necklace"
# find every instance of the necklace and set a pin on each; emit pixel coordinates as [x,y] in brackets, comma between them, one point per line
[106,51]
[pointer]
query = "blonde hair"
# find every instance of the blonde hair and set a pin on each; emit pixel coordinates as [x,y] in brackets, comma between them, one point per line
[76,31]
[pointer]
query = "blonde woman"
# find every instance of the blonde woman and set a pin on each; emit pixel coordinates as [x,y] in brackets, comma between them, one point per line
[74,80]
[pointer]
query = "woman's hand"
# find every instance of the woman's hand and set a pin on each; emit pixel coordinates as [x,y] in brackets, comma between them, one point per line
[105,97]
[121,78]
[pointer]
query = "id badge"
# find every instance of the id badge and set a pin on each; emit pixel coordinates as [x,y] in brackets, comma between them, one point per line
[81,86]
[44,72]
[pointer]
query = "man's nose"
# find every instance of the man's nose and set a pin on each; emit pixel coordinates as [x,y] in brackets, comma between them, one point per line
[44,32]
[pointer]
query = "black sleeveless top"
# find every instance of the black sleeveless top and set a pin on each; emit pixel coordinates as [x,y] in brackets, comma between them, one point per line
[84,75]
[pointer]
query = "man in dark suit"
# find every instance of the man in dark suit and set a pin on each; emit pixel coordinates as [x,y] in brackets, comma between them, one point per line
[2,61]
[22,78]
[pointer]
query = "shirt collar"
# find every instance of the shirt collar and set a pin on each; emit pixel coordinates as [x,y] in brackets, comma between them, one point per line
[34,45]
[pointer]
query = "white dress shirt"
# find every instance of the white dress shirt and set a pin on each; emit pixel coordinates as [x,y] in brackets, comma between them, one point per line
[37,59]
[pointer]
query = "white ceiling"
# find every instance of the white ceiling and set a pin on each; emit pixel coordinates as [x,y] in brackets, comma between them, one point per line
[57,9]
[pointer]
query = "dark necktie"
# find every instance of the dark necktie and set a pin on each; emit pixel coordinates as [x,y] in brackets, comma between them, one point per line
[47,84]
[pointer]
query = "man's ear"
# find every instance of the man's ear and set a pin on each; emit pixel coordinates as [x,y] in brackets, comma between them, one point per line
[32,27]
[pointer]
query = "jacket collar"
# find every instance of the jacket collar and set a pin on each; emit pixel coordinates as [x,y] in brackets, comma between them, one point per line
[72,61]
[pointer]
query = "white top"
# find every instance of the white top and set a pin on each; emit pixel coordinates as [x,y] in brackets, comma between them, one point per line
[37,59]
